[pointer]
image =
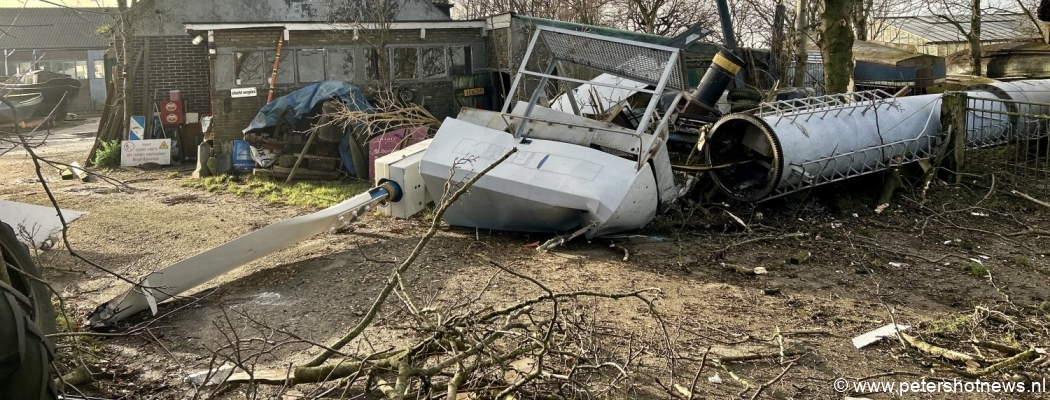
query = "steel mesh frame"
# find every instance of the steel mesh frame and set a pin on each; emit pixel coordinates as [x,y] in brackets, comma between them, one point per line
[638,61]
[1017,152]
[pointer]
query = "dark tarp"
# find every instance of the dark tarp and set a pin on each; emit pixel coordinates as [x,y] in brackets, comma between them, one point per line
[301,103]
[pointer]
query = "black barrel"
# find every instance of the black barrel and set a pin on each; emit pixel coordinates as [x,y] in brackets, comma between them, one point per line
[723,70]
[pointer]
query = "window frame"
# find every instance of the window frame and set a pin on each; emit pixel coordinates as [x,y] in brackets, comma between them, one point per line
[286,54]
[418,73]
[468,59]
[324,64]
[98,69]
[354,57]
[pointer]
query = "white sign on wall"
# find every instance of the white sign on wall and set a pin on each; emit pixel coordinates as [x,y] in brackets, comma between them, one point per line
[243,92]
[138,152]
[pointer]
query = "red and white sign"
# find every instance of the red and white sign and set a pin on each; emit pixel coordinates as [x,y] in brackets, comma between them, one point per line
[171,113]
[138,152]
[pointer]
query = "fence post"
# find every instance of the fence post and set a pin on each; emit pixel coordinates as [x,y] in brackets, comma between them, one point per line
[953,118]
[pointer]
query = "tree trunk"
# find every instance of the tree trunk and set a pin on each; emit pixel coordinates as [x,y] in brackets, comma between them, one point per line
[122,46]
[861,11]
[836,44]
[975,36]
[801,27]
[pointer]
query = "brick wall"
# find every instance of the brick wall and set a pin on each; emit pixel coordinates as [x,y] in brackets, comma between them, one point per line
[233,115]
[173,62]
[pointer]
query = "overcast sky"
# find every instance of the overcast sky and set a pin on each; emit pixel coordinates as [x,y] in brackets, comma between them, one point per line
[1001,4]
[37,3]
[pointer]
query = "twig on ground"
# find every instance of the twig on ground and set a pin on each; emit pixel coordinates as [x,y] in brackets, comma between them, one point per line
[1030,198]
[773,381]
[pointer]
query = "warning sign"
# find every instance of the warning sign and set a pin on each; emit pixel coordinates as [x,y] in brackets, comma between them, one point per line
[137,132]
[138,152]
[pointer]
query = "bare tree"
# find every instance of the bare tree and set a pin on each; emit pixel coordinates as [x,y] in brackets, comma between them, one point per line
[953,14]
[592,12]
[836,45]
[368,22]
[663,17]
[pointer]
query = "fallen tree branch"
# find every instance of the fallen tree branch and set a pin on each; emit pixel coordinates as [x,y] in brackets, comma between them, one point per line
[1030,198]
[773,381]
[1004,365]
[1030,231]
[392,280]
[934,350]
[753,357]
[761,239]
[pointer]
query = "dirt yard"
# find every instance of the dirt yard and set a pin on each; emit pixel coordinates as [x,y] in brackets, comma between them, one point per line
[970,265]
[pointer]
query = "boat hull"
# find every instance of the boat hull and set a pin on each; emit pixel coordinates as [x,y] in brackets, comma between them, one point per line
[57,94]
[25,105]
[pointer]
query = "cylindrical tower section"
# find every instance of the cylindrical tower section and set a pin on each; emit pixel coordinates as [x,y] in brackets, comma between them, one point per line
[772,154]
[1023,123]
[722,72]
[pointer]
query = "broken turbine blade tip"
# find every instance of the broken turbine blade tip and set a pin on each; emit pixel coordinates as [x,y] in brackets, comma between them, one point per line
[205,266]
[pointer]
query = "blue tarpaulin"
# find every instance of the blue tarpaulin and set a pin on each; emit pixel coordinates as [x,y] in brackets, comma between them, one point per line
[302,102]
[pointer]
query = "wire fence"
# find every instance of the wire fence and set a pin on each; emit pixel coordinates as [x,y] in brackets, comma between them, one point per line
[1009,139]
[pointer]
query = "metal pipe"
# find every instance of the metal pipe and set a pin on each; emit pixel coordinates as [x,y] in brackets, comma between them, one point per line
[730,35]
[727,24]
[276,66]
[788,147]
[723,69]
[191,272]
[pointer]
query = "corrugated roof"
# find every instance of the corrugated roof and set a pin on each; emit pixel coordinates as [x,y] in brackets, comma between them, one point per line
[994,27]
[52,28]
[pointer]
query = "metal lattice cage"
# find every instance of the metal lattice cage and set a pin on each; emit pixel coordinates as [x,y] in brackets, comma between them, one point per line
[642,62]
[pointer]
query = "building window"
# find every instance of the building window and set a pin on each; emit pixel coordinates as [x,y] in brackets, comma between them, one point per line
[100,69]
[310,65]
[459,60]
[372,56]
[64,67]
[82,70]
[341,64]
[433,62]
[250,67]
[23,67]
[430,62]
[255,67]
[406,60]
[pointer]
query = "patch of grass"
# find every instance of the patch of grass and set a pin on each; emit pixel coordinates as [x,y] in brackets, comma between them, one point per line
[71,350]
[172,175]
[429,212]
[977,270]
[953,325]
[1022,261]
[1045,307]
[844,203]
[298,194]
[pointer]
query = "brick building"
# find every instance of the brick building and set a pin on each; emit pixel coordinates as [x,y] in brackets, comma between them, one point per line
[204,48]
[210,49]
[62,40]
[428,63]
